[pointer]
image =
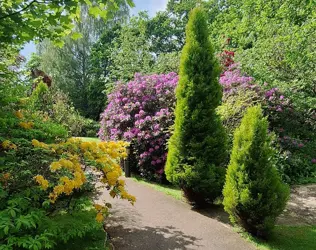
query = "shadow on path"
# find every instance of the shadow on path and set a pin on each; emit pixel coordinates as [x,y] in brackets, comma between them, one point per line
[301,208]
[151,238]
[163,238]
[215,212]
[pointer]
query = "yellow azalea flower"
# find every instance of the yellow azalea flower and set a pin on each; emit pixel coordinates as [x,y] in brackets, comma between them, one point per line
[8,145]
[105,170]
[18,114]
[43,145]
[74,158]
[88,156]
[121,182]
[68,187]
[83,177]
[26,125]
[39,178]
[114,154]
[59,189]
[132,198]
[112,177]
[77,175]
[99,217]
[124,195]
[77,183]
[38,144]
[55,166]
[66,163]
[104,157]
[35,143]
[119,171]
[52,197]
[64,179]
[41,181]
[44,184]
[85,145]
[98,207]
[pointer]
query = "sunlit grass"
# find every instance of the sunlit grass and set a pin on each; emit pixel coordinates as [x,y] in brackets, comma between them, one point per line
[288,238]
[173,191]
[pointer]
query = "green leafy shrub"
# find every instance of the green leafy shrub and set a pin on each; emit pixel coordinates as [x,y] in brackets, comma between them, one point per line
[44,187]
[234,106]
[166,63]
[51,103]
[45,192]
[90,128]
[254,194]
[197,148]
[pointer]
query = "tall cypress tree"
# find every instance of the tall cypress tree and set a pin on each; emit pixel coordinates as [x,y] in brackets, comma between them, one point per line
[197,148]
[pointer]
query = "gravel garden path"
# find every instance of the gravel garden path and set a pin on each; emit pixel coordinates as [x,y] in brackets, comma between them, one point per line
[159,222]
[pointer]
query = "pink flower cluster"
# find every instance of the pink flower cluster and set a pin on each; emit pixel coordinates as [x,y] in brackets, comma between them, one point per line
[141,112]
[276,101]
[233,78]
[288,142]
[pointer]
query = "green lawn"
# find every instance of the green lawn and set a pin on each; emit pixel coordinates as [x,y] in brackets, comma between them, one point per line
[89,139]
[289,238]
[175,192]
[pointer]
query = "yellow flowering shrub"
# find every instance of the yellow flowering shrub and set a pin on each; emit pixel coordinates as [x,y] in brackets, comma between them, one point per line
[7,145]
[67,175]
[41,181]
[38,144]
[18,114]
[26,125]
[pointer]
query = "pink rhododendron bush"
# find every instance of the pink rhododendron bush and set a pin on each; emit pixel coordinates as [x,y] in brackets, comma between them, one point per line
[141,112]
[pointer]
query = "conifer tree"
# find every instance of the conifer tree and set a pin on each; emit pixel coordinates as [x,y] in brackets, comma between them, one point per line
[197,147]
[254,194]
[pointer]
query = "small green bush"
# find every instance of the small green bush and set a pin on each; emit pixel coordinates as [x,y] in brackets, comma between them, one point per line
[197,148]
[90,128]
[51,103]
[254,194]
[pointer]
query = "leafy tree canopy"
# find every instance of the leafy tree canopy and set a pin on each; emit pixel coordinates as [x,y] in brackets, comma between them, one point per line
[25,20]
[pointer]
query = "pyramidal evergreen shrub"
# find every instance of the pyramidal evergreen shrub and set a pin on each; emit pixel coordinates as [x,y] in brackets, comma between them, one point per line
[197,147]
[254,194]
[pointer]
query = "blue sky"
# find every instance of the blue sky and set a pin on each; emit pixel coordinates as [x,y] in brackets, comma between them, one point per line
[152,6]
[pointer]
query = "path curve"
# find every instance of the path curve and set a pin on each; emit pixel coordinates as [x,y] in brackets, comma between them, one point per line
[159,222]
